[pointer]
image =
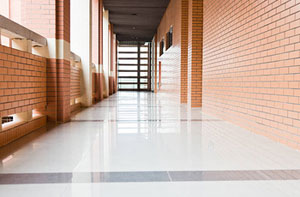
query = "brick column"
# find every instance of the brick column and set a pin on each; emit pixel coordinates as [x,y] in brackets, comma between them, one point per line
[97,45]
[116,65]
[184,51]
[112,71]
[155,62]
[100,77]
[195,46]
[51,19]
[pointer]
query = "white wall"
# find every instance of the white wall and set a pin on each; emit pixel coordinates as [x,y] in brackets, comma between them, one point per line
[81,39]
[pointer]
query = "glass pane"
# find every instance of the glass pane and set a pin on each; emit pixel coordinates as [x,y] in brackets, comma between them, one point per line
[127,68]
[143,86]
[128,86]
[143,74]
[144,67]
[127,61]
[127,80]
[127,55]
[144,61]
[127,74]
[126,49]
[144,55]
[143,80]
[144,49]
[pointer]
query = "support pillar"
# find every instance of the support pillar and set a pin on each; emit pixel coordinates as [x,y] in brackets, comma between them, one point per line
[195,41]
[184,51]
[55,26]
[0,123]
[155,63]
[97,44]
[106,53]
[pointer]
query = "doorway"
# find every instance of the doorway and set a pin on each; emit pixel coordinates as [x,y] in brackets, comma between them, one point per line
[134,71]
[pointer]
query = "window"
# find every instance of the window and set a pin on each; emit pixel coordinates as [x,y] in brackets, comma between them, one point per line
[7,119]
[169,40]
[161,47]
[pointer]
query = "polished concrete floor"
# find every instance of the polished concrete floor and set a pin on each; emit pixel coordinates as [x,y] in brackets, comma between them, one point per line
[142,144]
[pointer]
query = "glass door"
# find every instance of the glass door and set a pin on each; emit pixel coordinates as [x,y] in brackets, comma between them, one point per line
[133,67]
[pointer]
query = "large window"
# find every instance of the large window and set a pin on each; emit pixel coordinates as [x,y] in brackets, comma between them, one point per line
[169,40]
[161,47]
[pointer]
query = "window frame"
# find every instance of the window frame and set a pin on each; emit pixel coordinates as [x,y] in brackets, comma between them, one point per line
[169,38]
[161,47]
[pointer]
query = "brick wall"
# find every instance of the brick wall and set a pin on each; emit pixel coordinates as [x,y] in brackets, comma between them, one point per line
[40,16]
[251,65]
[22,129]
[170,60]
[22,81]
[22,89]
[51,19]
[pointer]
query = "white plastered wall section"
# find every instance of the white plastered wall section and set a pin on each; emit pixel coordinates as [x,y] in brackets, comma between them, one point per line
[106,53]
[81,43]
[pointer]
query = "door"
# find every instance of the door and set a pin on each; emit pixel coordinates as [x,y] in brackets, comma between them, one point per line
[134,66]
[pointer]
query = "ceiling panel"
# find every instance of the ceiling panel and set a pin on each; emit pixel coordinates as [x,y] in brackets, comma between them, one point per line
[135,20]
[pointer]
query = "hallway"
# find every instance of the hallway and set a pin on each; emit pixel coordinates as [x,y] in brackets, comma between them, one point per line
[138,144]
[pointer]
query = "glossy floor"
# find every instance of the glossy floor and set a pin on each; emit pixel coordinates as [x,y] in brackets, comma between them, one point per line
[142,144]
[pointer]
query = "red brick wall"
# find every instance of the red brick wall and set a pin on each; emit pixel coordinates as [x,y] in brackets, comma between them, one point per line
[22,89]
[251,65]
[22,81]
[11,134]
[171,58]
[51,19]
[40,16]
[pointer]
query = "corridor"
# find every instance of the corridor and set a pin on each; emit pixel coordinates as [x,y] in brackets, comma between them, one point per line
[144,144]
